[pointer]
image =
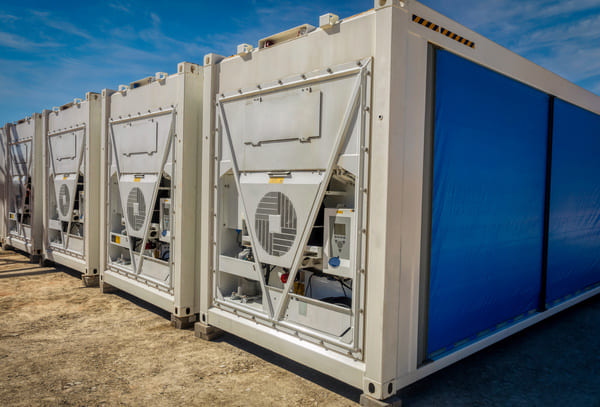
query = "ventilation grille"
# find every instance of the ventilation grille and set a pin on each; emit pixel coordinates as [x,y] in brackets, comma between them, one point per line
[136,209]
[276,223]
[64,200]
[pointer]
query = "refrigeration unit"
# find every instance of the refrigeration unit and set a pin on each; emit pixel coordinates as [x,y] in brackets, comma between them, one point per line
[3,179]
[71,151]
[23,205]
[381,198]
[150,140]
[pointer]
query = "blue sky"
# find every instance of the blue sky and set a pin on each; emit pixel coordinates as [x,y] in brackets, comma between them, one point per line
[52,52]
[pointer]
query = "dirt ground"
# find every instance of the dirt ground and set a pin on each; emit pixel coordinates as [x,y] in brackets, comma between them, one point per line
[63,344]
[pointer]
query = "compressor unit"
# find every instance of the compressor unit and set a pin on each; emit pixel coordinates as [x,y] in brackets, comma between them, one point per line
[24,186]
[72,185]
[387,194]
[150,140]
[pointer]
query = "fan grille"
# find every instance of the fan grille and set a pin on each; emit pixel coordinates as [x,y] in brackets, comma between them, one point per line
[276,239]
[64,200]
[136,209]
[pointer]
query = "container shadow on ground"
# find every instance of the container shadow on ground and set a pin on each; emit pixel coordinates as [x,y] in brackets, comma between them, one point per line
[296,368]
[553,363]
[24,273]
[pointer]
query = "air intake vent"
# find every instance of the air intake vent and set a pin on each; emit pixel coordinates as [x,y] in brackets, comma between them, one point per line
[136,209]
[64,200]
[276,223]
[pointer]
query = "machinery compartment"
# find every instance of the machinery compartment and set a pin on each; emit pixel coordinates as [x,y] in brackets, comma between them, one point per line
[67,173]
[291,203]
[140,191]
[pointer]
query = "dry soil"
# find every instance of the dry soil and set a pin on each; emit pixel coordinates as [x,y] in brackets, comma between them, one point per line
[64,344]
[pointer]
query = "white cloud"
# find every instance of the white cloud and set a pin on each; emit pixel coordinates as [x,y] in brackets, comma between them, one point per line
[561,36]
[7,18]
[122,6]
[15,41]
[52,21]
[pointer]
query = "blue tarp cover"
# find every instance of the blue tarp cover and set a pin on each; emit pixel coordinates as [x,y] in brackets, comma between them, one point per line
[488,201]
[574,229]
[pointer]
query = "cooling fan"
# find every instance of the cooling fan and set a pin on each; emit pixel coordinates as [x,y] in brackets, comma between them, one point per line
[276,223]
[64,200]
[136,209]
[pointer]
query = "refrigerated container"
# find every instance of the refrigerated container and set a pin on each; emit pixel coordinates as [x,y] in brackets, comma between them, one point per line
[71,173]
[151,133]
[3,179]
[387,194]
[23,210]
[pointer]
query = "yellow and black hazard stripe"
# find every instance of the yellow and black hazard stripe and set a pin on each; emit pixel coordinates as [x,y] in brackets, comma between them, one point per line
[442,30]
[428,24]
[457,37]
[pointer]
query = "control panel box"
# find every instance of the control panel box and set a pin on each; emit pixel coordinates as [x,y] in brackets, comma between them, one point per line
[338,241]
[165,219]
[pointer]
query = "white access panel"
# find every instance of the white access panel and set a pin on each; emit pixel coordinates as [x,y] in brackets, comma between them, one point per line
[24,190]
[269,183]
[150,152]
[71,157]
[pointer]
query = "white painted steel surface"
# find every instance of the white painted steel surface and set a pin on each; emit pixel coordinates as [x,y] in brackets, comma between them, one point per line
[24,190]
[71,157]
[150,150]
[247,155]
[3,179]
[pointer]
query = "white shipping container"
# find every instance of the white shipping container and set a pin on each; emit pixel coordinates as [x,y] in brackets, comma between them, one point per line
[317,191]
[23,211]
[150,149]
[71,151]
[3,179]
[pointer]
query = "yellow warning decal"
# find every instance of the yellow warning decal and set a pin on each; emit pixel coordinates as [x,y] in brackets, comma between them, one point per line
[65,177]
[117,239]
[442,30]
[428,24]
[137,179]
[340,212]
[278,180]
[12,215]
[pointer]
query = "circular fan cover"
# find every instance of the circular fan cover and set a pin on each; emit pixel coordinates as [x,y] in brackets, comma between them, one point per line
[276,239]
[136,209]
[64,200]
